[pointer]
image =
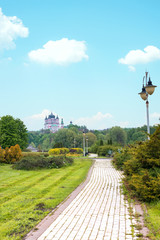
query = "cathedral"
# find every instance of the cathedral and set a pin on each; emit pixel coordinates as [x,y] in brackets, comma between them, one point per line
[52,123]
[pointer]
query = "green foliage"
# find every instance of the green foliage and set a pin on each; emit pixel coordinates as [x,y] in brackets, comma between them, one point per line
[58,145]
[12,132]
[39,161]
[120,157]
[91,138]
[66,137]
[141,165]
[58,162]
[118,136]
[2,155]
[137,134]
[44,139]
[101,142]
[32,154]
[145,186]
[106,150]
[94,148]
[73,137]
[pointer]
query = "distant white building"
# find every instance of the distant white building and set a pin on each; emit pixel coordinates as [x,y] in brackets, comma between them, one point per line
[52,123]
[32,149]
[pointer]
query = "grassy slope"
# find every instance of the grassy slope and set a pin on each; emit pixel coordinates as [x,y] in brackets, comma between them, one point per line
[153,220]
[27,196]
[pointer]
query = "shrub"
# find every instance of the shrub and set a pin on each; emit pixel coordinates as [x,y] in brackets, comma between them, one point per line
[39,161]
[58,151]
[93,148]
[73,155]
[106,150]
[58,145]
[31,162]
[10,155]
[58,162]
[141,165]
[144,186]
[45,154]
[121,157]
[76,151]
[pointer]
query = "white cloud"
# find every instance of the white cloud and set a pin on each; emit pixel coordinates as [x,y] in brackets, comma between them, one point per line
[98,121]
[131,69]
[155,115]
[154,118]
[123,124]
[134,57]
[10,29]
[60,52]
[41,115]
[150,54]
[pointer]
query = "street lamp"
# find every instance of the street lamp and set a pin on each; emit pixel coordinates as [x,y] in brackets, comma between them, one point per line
[147,90]
[84,143]
[87,145]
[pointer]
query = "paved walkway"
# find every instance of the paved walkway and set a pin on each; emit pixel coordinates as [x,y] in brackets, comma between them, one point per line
[98,212]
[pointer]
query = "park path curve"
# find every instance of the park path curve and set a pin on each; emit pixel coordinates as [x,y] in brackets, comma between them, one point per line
[99,211]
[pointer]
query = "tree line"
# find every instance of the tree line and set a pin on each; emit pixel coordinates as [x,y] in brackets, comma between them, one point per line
[13,131]
[72,136]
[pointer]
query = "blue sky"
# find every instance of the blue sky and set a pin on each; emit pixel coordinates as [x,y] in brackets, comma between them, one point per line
[83,60]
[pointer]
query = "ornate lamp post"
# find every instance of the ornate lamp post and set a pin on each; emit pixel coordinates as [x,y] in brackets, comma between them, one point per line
[84,143]
[147,90]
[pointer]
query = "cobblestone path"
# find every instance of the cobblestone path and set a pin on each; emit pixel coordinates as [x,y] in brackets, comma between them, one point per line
[98,212]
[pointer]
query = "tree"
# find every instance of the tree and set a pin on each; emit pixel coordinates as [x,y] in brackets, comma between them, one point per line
[91,138]
[66,137]
[12,132]
[118,136]
[22,134]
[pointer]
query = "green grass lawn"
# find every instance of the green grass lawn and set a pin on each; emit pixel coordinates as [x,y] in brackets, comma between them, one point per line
[26,197]
[153,220]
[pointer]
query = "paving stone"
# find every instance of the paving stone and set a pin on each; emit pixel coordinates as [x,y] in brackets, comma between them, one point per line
[98,212]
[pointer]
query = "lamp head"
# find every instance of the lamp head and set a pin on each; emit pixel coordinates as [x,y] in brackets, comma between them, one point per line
[143,94]
[150,87]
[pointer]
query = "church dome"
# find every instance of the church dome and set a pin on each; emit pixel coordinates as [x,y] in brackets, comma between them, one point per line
[51,116]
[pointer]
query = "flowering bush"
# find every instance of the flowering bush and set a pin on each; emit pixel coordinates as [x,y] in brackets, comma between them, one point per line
[58,151]
[73,155]
[76,151]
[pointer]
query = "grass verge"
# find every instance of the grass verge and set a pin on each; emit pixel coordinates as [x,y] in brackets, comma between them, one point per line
[26,197]
[152,217]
